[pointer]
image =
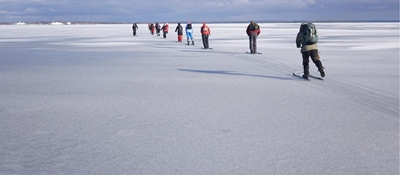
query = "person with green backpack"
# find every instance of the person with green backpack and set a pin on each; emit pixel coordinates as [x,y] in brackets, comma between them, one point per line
[307,39]
[253,30]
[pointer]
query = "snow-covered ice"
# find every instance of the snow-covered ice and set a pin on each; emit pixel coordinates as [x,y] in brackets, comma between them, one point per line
[92,99]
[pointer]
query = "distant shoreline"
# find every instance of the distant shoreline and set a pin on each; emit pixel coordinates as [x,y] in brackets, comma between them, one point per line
[210,22]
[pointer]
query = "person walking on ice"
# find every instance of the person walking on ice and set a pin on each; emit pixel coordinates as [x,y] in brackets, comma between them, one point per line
[205,33]
[134,28]
[307,39]
[151,28]
[158,29]
[189,33]
[253,30]
[179,29]
[165,29]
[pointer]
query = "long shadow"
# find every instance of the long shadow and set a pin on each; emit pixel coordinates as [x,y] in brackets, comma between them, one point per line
[199,50]
[235,73]
[210,51]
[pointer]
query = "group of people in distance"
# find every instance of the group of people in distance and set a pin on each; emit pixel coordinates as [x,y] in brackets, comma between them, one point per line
[157,28]
[306,39]
[205,32]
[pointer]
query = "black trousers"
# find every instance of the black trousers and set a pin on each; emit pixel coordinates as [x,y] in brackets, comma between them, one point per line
[314,57]
[205,40]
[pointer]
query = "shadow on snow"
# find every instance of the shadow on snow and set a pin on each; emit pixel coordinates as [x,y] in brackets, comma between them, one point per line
[235,73]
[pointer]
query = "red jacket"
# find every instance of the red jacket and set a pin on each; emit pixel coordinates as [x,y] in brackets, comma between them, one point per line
[205,30]
[166,27]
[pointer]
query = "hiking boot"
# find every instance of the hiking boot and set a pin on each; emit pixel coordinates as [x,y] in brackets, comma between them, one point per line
[321,71]
[320,68]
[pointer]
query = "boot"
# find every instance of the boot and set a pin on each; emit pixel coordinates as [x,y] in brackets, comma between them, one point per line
[320,68]
[321,71]
[192,41]
[188,41]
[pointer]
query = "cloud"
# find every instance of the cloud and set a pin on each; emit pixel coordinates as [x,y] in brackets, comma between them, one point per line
[182,10]
[249,3]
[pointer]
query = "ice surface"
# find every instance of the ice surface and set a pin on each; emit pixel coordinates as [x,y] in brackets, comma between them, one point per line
[92,99]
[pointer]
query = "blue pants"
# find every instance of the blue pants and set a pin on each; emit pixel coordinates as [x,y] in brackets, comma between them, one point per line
[189,34]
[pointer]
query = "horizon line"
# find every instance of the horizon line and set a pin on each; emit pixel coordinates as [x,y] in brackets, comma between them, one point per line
[175,21]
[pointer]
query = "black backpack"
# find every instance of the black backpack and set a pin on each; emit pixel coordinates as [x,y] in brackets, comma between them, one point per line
[189,26]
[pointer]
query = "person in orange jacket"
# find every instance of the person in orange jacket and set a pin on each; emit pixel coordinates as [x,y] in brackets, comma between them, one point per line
[165,28]
[205,33]
[151,28]
[253,30]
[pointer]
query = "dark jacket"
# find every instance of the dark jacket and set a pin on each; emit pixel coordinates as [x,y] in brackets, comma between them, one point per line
[253,28]
[179,29]
[134,26]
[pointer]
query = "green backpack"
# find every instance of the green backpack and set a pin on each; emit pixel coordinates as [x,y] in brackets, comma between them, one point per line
[254,26]
[310,35]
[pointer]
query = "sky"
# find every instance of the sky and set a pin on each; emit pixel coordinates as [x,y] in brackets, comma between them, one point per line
[196,10]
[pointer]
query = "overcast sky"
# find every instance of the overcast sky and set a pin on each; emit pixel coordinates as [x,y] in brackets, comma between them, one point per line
[196,10]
